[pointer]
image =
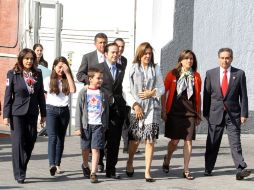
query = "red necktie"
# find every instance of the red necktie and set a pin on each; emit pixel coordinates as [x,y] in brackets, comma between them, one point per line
[224,84]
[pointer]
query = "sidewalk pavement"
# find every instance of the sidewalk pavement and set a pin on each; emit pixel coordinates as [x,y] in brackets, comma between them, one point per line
[38,176]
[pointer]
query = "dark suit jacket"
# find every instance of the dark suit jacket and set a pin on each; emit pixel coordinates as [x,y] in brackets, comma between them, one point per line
[88,60]
[124,62]
[113,88]
[18,101]
[235,100]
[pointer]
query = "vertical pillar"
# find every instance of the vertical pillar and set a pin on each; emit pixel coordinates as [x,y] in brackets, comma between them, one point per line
[36,21]
[59,17]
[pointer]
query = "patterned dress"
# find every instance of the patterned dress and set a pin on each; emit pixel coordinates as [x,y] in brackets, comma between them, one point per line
[146,129]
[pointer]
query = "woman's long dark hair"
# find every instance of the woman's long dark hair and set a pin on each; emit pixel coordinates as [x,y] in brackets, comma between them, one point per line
[53,85]
[184,54]
[19,67]
[42,60]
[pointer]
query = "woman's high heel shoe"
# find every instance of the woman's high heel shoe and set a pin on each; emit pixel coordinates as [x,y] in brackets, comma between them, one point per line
[165,167]
[187,175]
[129,173]
[150,180]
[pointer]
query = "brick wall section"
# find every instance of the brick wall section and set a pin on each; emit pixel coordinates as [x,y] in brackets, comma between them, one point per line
[9,23]
[9,43]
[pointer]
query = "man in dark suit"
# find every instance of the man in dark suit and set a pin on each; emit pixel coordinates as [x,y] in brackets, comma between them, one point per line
[225,104]
[92,58]
[121,45]
[123,61]
[113,74]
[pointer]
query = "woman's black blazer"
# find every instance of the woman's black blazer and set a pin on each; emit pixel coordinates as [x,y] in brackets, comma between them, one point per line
[18,101]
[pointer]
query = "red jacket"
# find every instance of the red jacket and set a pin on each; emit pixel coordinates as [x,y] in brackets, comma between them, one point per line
[170,87]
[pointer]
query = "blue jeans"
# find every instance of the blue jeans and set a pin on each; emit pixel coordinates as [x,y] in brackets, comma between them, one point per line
[57,121]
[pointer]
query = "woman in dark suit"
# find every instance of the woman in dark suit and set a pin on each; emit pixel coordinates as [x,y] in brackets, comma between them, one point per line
[24,95]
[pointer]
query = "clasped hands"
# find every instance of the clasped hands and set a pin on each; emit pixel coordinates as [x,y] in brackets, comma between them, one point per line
[147,94]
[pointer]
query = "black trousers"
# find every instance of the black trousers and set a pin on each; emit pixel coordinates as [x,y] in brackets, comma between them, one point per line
[213,141]
[113,138]
[23,137]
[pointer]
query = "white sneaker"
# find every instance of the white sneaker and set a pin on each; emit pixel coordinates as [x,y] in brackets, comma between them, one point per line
[58,170]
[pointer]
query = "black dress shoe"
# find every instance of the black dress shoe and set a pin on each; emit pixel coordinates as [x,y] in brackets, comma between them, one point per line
[100,168]
[20,181]
[150,180]
[113,176]
[208,173]
[242,174]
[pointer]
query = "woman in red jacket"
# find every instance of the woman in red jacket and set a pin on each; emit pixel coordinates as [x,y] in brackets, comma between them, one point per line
[181,111]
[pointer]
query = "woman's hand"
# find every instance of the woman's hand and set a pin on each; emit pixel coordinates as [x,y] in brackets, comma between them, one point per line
[164,115]
[198,119]
[138,111]
[6,121]
[65,69]
[147,94]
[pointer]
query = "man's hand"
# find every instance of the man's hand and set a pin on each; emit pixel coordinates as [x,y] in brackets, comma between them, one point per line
[243,120]
[77,132]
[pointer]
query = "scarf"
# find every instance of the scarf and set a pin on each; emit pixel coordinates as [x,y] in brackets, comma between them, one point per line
[186,81]
[30,81]
[141,79]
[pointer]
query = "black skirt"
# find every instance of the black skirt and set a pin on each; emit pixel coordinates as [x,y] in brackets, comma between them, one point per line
[181,119]
[178,127]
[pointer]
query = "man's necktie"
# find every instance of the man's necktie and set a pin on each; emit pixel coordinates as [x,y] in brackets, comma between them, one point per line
[113,71]
[224,84]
